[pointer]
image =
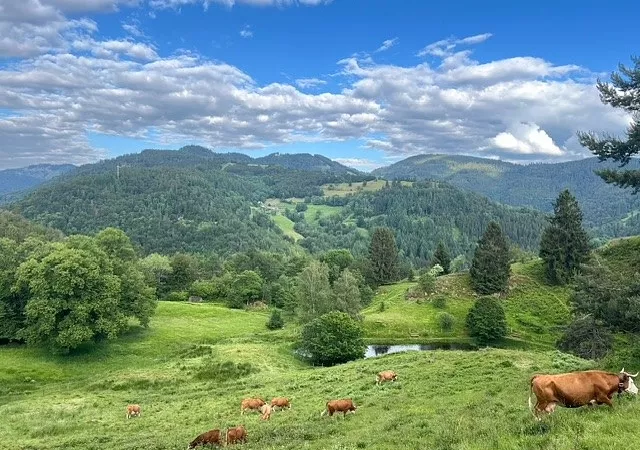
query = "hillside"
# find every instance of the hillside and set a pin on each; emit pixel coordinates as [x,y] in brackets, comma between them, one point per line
[16,180]
[305,161]
[608,210]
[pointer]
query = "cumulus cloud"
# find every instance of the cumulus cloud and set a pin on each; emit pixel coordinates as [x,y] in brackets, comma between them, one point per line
[246,32]
[526,138]
[386,45]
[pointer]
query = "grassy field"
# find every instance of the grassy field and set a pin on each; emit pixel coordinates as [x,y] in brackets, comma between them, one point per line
[314,212]
[286,225]
[196,362]
[343,189]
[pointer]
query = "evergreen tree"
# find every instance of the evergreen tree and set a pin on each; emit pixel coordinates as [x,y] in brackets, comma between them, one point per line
[383,253]
[441,256]
[564,245]
[486,320]
[275,320]
[490,268]
[624,93]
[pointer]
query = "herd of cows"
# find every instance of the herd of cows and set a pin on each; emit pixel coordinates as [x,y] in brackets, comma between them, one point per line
[570,390]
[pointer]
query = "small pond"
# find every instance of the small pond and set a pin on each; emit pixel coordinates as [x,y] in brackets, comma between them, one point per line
[379,350]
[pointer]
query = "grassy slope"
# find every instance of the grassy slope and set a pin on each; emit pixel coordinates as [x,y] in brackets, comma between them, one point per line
[286,225]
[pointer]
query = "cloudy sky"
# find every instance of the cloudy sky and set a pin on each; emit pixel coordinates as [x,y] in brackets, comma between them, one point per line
[366,82]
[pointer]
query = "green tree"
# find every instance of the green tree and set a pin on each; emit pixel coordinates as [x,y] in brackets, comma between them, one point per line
[184,271]
[587,338]
[337,260]
[314,292]
[275,320]
[12,303]
[564,245]
[245,288]
[332,338]
[383,254]
[427,283]
[346,295]
[447,321]
[441,256]
[623,92]
[486,321]
[490,268]
[156,270]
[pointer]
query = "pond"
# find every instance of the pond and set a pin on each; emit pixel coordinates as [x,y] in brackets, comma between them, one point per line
[379,350]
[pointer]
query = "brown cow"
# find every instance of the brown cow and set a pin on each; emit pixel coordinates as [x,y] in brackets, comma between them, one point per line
[266,412]
[344,406]
[386,375]
[280,402]
[251,404]
[133,410]
[211,437]
[576,389]
[237,434]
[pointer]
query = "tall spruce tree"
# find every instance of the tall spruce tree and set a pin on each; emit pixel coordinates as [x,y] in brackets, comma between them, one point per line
[441,256]
[564,245]
[490,268]
[624,93]
[383,254]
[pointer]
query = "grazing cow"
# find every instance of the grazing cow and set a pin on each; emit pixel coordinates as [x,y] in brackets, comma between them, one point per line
[251,404]
[576,389]
[386,375]
[211,437]
[280,402]
[266,412]
[344,406]
[237,434]
[133,410]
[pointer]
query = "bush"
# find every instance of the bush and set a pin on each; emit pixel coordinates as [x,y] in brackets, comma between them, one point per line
[440,302]
[275,321]
[223,371]
[382,307]
[206,289]
[586,338]
[486,321]
[446,321]
[427,283]
[177,296]
[332,338]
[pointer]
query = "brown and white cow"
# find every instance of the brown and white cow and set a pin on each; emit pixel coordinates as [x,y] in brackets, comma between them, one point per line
[133,410]
[251,404]
[236,434]
[211,437]
[386,375]
[266,412]
[576,389]
[280,402]
[344,406]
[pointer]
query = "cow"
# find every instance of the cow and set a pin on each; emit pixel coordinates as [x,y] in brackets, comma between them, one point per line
[236,434]
[343,405]
[251,404]
[266,412]
[280,402]
[133,410]
[576,389]
[211,437]
[386,375]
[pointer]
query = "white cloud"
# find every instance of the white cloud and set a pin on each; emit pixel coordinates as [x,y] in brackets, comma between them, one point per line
[163,4]
[527,139]
[246,32]
[386,45]
[444,47]
[133,28]
[306,83]
[359,163]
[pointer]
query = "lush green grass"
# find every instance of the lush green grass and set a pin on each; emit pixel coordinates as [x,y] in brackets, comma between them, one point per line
[286,225]
[314,212]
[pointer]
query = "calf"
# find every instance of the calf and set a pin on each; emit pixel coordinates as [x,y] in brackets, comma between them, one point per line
[133,410]
[237,434]
[251,404]
[211,437]
[266,412]
[280,402]
[386,375]
[344,406]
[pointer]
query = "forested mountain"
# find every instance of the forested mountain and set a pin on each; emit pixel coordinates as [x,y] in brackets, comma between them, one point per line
[608,210]
[421,216]
[15,180]
[305,161]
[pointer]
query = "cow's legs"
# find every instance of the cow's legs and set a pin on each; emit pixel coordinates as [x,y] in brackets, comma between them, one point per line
[602,398]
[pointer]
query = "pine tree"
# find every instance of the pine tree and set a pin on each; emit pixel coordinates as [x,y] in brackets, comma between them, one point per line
[624,93]
[441,256]
[490,268]
[383,253]
[565,244]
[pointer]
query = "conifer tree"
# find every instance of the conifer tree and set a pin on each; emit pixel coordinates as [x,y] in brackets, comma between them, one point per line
[490,268]
[441,256]
[565,244]
[383,253]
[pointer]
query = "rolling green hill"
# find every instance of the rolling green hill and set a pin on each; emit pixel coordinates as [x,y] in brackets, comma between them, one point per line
[608,210]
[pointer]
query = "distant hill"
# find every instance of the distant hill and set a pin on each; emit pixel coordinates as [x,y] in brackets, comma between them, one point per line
[608,210]
[305,161]
[16,180]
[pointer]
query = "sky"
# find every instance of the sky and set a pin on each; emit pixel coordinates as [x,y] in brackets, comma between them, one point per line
[364,82]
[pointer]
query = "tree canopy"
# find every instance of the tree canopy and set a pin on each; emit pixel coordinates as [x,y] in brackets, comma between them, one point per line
[491,268]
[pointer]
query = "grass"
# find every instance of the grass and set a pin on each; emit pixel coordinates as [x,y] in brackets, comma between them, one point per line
[314,212]
[286,225]
[196,362]
[343,189]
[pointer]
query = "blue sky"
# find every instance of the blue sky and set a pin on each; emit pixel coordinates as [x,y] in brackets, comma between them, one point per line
[367,82]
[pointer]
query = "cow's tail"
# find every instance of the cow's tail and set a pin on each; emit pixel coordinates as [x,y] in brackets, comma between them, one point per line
[530,394]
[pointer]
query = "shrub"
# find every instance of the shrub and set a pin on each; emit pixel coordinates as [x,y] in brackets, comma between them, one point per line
[586,338]
[332,338]
[440,302]
[223,371]
[206,289]
[177,296]
[446,321]
[275,321]
[382,307]
[486,321]
[427,283]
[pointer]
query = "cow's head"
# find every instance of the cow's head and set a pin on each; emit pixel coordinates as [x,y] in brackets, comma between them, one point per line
[626,383]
